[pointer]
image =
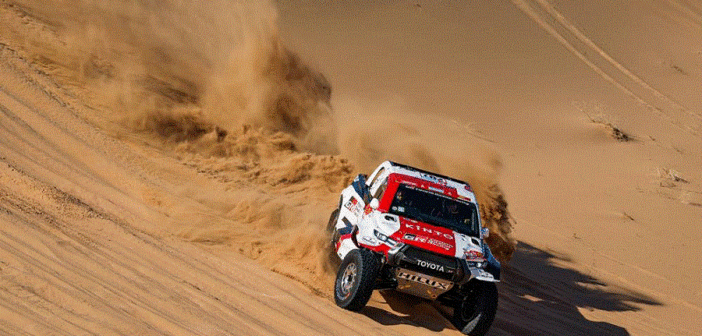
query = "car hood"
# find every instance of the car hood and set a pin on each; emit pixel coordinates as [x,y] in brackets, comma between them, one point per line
[429,237]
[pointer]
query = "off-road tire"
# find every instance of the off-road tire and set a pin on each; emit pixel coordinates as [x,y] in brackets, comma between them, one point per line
[355,279]
[475,314]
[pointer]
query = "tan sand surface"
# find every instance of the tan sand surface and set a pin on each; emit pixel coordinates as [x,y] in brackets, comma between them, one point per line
[168,167]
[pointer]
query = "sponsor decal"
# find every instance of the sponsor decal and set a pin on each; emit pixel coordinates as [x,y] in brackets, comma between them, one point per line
[473,255]
[427,240]
[435,179]
[353,201]
[426,230]
[409,236]
[430,265]
[353,205]
[443,245]
[423,280]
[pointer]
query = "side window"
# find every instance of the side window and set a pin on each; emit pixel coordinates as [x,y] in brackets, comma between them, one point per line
[379,183]
[381,190]
[376,177]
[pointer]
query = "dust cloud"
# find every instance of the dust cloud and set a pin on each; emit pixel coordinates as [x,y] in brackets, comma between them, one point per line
[215,85]
[182,69]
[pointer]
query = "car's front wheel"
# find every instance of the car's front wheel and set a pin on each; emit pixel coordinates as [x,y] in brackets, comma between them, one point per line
[474,315]
[355,279]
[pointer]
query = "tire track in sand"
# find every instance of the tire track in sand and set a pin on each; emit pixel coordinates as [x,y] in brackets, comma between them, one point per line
[567,34]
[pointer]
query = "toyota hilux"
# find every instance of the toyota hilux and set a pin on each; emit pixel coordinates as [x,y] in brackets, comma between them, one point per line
[417,232]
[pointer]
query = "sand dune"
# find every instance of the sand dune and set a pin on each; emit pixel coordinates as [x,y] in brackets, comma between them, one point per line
[168,167]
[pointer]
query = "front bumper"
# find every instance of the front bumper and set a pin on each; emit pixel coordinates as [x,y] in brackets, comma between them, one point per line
[421,285]
[427,274]
[428,263]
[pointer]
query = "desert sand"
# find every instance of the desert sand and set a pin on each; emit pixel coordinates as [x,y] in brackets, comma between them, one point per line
[168,167]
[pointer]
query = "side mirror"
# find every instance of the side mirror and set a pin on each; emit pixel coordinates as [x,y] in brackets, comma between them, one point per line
[374,203]
[485,231]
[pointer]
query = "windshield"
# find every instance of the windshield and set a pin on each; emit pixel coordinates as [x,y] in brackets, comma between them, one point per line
[435,209]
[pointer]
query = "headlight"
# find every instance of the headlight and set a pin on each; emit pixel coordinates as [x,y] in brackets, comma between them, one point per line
[380,236]
[383,238]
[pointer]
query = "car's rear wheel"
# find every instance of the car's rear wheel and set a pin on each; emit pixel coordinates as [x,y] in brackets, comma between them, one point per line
[355,279]
[474,315]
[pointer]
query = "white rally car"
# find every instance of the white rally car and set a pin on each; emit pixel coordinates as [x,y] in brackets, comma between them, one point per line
[416,232]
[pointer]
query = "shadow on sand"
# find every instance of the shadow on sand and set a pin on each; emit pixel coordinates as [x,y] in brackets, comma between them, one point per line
[537,297]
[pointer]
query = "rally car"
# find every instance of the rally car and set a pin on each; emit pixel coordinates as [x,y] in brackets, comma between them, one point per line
[416,232]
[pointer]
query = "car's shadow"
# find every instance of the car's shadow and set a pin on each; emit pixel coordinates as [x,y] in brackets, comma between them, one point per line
[537,297]
[393,308]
